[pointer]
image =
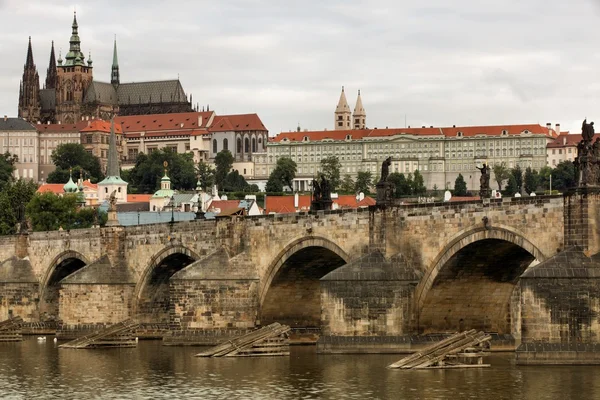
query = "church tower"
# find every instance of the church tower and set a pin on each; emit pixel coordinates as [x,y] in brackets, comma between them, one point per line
[360,116]
[74,76]
[29,91]
[114,74]
[51,73]
[113,181]
[342,113]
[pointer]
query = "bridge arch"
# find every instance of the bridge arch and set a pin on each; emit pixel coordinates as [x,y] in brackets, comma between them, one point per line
[292,279]
[151,294]
[63,265]
[470,283]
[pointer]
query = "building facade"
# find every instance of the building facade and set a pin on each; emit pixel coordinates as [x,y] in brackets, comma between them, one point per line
[95,138]
[20,138]
[439,154]
[71,93]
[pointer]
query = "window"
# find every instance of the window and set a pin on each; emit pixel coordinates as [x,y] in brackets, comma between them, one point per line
[253,145]
[553,151]
[239,145]
[105,190]
[214,145]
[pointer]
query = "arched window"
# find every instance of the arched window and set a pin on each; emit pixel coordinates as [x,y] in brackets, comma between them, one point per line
[214,145]
[239,145]
[253,144]
[225,145]
[247,145]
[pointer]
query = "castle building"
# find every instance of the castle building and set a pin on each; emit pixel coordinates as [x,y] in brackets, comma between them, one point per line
[71,93]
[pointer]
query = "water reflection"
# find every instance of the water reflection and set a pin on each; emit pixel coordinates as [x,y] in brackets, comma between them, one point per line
[32,370]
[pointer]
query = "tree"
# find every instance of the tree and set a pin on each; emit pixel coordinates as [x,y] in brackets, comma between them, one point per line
[563,176]
[224,162]
[74,155]
[517,173]
[347,185]
[145,176]
[14,197]
[435,190]
[403,186]
[460,186]
[274,185]
[206,175]
[500,174]
[7,167]
[418,183]
[330,167]
[532,180]
[544,177]
[363,182]
[49,212]
[234,182]
[284,172]
[511,187]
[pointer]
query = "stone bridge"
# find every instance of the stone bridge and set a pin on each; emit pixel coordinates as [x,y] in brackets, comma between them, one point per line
[402,270]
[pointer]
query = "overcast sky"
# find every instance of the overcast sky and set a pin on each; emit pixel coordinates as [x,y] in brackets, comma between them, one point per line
[435,62]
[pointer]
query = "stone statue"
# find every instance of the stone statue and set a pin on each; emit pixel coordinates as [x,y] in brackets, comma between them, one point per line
[587,131]
[385,169]
[316,190]
[112,201]
[325,189]
[484,180]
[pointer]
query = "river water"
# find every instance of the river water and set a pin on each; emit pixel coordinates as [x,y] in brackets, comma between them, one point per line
[39,370]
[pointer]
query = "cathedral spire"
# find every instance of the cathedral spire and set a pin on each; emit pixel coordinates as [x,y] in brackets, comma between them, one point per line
[29,62]
[112,167]
[114,76]
[342,113]
[51,73]
[74,56]
[360,115]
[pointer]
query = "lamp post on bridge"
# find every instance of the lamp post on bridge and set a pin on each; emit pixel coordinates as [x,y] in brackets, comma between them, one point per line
[172,201]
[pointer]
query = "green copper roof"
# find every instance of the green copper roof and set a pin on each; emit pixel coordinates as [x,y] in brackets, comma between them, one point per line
[162,193]
[70,187]
[115,59]
[74,56]
[113,180]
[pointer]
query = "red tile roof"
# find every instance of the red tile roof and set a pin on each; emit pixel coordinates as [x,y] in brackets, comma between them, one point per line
[55,188]
[349,201]
[164,122]
[223,204]
[568,140]
[99,125]
[285,204]
[54,128]
[138,198]
[467,131]
[194,132]
[237,122]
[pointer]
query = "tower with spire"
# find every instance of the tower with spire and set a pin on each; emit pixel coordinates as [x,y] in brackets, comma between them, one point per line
[114,74]
[360,116]
[112,182]
[29,91]
[342,113]
[51,72]
[74,75]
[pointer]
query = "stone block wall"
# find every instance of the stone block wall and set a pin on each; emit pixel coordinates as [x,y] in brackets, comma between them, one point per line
[582,219]
[21,299]
[102,304]
[213,304]
[369,308]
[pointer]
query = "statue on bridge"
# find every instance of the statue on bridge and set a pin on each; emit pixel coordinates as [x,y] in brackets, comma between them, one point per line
[587,162]
[321,199]
[484,181]
[385,169]
[385,189]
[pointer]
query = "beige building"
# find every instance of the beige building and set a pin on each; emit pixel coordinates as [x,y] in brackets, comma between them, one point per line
[564,148]
[95,139]
[20,138]
[344,119]
[440,154]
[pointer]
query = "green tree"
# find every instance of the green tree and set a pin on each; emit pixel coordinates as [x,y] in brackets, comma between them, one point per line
[234,182]
[418,183]
[435,190]
[330,167]
[206,175]
[517,173]
[274,185]
[7,167]
[460,186]
[501,174]
[145,176]
[403,186]
[511,187]
[544,176]
[284,172]
[14,197]
[563,176]
[531,180]
[363,182]
[224,162]
[74,155]
[49,212]
[347,185]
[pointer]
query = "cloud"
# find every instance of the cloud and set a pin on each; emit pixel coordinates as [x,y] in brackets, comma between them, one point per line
[464,62]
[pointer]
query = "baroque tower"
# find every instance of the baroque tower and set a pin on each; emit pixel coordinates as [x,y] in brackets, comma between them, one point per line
[29,91]
[342,113]
[360,116]
[74,76]
[114,74]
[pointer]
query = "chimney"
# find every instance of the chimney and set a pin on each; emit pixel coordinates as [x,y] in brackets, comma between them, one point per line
[557,129]
[548,125]
[564,141]
[296,200]
[5,118]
